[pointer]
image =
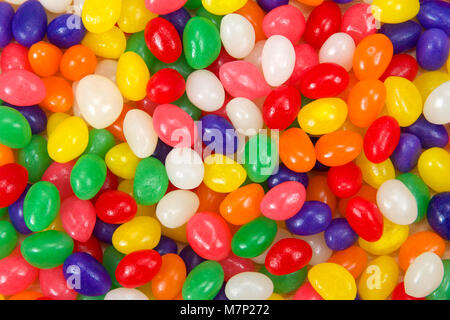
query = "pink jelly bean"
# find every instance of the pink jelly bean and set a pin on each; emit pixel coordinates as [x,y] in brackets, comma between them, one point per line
[164,6]
[21,88]
[54,285]
[243,79]
[283,201]
[174,126]
[233,265]
[14,57]
[285,20]
[59,175]
[307,292]
[358,22]
[78,218]
[16,274]
[305,58]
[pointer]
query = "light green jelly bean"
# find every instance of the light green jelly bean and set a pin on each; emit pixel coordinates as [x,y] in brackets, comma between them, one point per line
[15,131]
[34,157]
[88,176]
[203,282]
[41,205]
[150,181]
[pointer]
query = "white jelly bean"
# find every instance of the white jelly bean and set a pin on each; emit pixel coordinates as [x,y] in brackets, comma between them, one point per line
[245,116]
[249,286]
[205,90]
[339,49]
[278,60]
[56,6]
[125,294]
[437,106]
[321,252]
[238,35]
[184,168]
[424,275]
[139,133]
[107,68]
[176,208]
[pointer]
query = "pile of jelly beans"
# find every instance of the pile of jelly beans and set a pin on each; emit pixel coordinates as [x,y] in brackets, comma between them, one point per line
[228,150]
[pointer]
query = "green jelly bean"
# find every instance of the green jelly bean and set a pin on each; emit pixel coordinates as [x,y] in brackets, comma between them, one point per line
[253,238]
[189,108]
[8,238]
[419,190]
[443,291]
[100,141]
[47,249]
[260,157]
[203,282]
[111,259]
[180,65]
[88,176]
[193,4]
[41,205]
[81,297]
[34,157]
[201,42]
[136,43]
[286,283]
[15,131]
[3,211]
[150,181]
[216,20]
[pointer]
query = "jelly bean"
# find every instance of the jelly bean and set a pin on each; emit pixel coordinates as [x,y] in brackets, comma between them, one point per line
[166,86]
[14,57]
[287,256]
[404,36]
[99,100]
[134,16]
[56,6]
[281,107]
[245,116]
[169,280]
[261,166]
[332,282]
[44,58]
[432,41]
[141,233]
[332,154]
[176,208]
[88,176]
[253,238]
[29,23]
[345,181]
[354,259]
[402,65]
[378,279]
[100,142]
[338,49]
[151,181]
[34,158]
[278,60]
[53,284]
[306,292]
[323,21]
[162,7]
[204,282]
[222,8]
[280,234]
[86,275]
[285,20]
[400,294]
[185,168]
[166,246]
[237,35]
[428,81]
[320,251]
[205,90]
[190,258]
[434,167]
[59,175]
[255,15]
[249,286]
[109,45]
[372,56]
[91,246]
[269,5]
[242,205]
[47,249]
[442,292]
[365,218]
[111,258]
[305,57]
[318,190]
[222,59]
[285,174]
[395,11]
[138,268]
[403,100]
[434,14]
[35,116]
[99,17]
[21,88]
[430,135]
[313,218]
[286,283]
[424,275]
[125,294]
[358,22]
[215,19]
[16,274]
[324,80]
[339,235]
[178,19]
[218,134]
[139,132]
[393,236]
[283,201]
[434,109]
[15,128]
[323,116]
[8,238]
[419,191]
[104,231]
[233,265]
[6,17]
[66,31]
[77,62]
[223,174]
[438,214]
[381,139]
[136,43]
[163,40]
[132,76]
[115,207]
[59,95]
[6,155]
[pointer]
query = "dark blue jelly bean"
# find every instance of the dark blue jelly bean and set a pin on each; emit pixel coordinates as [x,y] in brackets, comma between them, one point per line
[66,30]
[404,36]
[6,17]
[165,246]
[86,275]
[179,19]
[339,235]
[35,116]
[407,153]
[218,134]
[221,295]
[190,258]
[435,14]
[29,23]
[161,151]
[431,135]
[268,5]
[104,231]
[313,217]
[16,213]
[432,49]
[284,174]
[438,214]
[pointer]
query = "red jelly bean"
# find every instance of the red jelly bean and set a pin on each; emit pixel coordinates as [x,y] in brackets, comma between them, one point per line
[138,268]
[324,80]
[381,139]
[115,207]
[78,218]
[345,181]
[365,218]
[21,88]
[14,57]
[287,256]
[285,20]
[163,40]
[402,65]
[281,107]
[307,292]
[13,181]
[16,274]
[323,21]
[400,294]
[166,86]
[54,285]
[233,265]
[91,246]
[358,22]
[59,175]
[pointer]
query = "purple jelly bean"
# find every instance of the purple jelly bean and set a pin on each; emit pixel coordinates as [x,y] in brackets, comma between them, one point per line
[218,134]
[404,36]
[407,153]
[35,116]
[161,151]
[435,14]
[284,174]
[86,275]
[342,1]
[438,214]
[6,17]
[104,231]
[16,213]
[221,295]
[29,23]
[179,19]
[314,217]
[431,135]
[339,235]
[432,49]
[165,246]
[268,5]
[66,30]
[190,258]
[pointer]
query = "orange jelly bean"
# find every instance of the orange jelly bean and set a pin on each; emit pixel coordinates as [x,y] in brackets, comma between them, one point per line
[418,243]
[372,56]
[117,127]
[44,58]
[209,200]
[242,205]
[318,190]
[6,155]
[367,192]
[255,15]
[59,96]
[354,259]
[338,148]
[77,62]
[297,151]
[168,282]
[311,2]
[26,295]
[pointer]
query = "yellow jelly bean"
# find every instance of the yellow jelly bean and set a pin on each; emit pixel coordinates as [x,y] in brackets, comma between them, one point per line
[100,15]
[134,16]
[395,11]
[379,279]
[68,140]
[54,120]
[403,100]
[223,174]
[276,296]
[223,7]
[132,76]
[141,233]
[434,168]
[394,235]
[121,160]
[323,116]
[109,45]
[177,234]
[127,187]
[375,174]
[429,81]
[332,281]
[56,225]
